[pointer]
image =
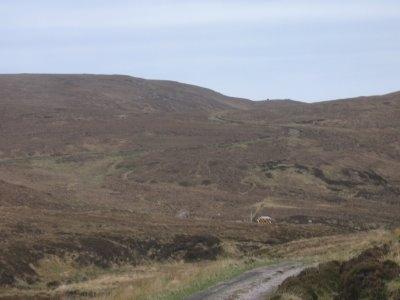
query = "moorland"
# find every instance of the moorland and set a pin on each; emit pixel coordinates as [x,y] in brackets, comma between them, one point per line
[110,174]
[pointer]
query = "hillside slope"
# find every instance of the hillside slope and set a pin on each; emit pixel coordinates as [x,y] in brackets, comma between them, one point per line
[121,141]
[91,162]
[115,93]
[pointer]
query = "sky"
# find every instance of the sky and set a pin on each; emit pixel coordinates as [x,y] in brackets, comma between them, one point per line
[307,50]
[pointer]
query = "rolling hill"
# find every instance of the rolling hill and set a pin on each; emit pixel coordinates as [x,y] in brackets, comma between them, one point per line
[94,161]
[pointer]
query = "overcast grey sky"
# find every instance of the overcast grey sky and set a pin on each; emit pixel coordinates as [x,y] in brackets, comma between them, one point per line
[301,49]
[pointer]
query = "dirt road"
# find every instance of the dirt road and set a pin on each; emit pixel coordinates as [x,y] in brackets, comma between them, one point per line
[251,285]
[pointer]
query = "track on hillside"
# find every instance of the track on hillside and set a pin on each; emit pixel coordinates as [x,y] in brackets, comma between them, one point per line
[252,285]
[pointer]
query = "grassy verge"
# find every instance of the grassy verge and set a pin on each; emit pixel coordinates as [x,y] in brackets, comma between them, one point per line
[185,279]
[340,247]
[177,280]
[181,280]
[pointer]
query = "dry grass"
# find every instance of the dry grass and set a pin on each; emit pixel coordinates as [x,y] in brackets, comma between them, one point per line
[395,249]
[394,286]
[56,269]
[159,281]
[340,247]
[177,280]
